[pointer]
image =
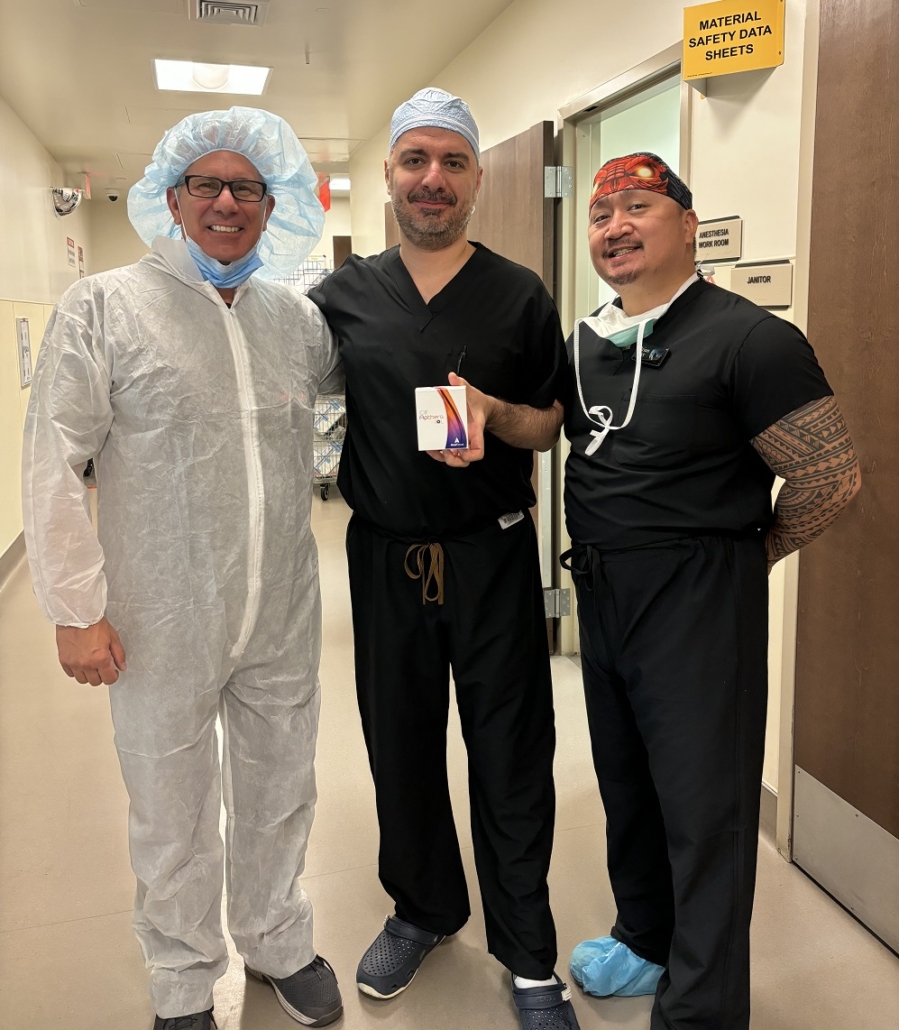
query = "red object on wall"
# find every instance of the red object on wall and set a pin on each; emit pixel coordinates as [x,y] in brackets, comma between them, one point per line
[324,191]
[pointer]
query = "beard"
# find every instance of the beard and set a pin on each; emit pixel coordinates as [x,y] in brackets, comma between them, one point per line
[432,230]
[625,279]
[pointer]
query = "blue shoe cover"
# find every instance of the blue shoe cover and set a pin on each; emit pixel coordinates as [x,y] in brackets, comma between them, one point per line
[606,967]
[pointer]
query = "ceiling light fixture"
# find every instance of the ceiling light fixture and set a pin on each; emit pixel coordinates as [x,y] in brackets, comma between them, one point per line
[340,184]
[200,77]
[211,76]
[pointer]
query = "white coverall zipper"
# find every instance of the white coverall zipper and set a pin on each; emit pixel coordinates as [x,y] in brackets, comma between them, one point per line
[255,487]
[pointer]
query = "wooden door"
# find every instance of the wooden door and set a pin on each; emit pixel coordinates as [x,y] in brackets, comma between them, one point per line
[846,814]
[512,215]
[343,247]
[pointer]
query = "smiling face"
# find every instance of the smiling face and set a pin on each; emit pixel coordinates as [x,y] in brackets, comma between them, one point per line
[638,236]
[225,228]
[433,180]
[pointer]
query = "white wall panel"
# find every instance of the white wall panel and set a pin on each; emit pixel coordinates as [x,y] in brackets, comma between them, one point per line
[34,272]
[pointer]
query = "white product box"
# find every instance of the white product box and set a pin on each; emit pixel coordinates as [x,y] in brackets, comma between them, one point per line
[442,415]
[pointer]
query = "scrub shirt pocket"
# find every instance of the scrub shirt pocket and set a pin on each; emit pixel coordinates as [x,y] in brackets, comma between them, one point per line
[661,434]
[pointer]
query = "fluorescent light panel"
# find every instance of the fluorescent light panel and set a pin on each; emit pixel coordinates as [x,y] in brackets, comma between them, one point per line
[340,184]
[241,78]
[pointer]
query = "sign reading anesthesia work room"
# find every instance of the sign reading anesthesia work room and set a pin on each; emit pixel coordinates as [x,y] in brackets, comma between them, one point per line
[732,36]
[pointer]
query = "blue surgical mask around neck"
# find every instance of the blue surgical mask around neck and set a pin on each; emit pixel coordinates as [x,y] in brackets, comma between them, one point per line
[222,276]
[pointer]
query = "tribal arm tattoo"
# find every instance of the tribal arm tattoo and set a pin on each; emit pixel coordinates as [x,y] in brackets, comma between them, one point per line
[810,449]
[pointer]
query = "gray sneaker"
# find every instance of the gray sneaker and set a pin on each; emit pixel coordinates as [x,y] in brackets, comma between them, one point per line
[310,995]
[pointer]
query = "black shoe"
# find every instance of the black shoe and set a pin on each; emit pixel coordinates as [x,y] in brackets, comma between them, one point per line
[545,1008]
[393,958]
[310,995]
[198,1021]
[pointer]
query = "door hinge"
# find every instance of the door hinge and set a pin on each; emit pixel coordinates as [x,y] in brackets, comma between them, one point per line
[557,603]
[558,181]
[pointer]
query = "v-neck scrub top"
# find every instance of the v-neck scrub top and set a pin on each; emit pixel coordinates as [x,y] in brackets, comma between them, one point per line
[495,323]
[685,464]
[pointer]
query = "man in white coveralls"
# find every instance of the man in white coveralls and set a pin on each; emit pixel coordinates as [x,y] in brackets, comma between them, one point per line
[191,382]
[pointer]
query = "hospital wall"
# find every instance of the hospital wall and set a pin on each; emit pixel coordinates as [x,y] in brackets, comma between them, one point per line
[337,223]
[745,149]
[113,239]
[34,272]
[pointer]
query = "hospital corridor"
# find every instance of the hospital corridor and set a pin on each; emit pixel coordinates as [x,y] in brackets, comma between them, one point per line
[447,515]
[68,958]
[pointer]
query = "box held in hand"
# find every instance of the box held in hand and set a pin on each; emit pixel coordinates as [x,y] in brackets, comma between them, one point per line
[442,414]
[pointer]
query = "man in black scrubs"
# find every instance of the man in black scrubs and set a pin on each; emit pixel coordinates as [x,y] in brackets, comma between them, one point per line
[443,562]
[686,400]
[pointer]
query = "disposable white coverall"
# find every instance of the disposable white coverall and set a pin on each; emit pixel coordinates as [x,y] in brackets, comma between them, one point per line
[199,420]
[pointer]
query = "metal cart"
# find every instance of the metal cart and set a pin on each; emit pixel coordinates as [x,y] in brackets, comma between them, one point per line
[329,429]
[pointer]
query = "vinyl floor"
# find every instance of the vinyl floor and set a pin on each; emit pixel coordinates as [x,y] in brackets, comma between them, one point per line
[68,958]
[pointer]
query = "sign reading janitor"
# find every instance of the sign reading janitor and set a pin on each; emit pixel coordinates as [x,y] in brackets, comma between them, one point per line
[769,285]
[732,36]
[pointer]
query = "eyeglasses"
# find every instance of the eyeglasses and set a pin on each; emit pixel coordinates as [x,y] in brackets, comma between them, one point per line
[208,187]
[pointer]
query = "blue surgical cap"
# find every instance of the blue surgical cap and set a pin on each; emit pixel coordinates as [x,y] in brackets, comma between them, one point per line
[272,147]
[435,108]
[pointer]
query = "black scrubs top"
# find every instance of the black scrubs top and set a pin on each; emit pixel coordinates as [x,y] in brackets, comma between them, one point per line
[685,464]
[496,324]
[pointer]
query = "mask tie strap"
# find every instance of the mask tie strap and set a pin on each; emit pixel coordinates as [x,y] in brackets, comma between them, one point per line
[601,414]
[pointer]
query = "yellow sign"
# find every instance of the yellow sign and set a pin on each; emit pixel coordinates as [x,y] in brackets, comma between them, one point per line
[732,36]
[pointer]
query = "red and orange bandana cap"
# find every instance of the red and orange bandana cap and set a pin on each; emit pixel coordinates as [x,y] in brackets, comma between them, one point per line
[640,172]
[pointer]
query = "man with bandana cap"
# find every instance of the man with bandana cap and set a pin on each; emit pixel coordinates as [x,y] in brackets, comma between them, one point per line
[190,381]
[685,402]
[443,562]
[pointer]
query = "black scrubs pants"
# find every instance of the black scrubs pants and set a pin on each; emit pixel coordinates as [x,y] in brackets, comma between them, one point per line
[674,644]
[491,631]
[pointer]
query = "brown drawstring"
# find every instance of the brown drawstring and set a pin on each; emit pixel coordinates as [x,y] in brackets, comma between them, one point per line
[435,570]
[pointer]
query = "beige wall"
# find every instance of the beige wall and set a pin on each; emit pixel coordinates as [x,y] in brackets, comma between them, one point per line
[115,243]
[337,223]
[369,194]
[34,272]
[33,260]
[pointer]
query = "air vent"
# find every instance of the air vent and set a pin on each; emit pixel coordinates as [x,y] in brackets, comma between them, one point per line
[220,12]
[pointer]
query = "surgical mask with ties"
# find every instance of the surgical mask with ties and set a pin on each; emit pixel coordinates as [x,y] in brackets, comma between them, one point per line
[222,276]
[622,330]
